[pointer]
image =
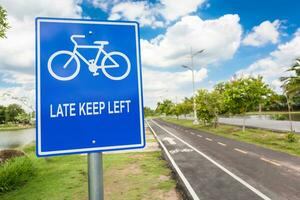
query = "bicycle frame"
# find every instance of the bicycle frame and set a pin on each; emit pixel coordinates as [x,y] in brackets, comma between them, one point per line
[100,50]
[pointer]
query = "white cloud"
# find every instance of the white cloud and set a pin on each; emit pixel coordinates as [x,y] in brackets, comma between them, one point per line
[275,65]
[140,11]
[17,50]
[146,13]
[266,32]
[19,95]
[220,38]
[160,85]
[172,9]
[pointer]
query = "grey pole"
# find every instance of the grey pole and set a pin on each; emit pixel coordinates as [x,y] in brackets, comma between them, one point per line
[194,95]
[95,171]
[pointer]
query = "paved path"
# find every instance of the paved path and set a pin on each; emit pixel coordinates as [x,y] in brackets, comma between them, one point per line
[214,168]
[276,125]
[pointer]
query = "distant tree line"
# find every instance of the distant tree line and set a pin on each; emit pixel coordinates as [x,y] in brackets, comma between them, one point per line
[14,113]
[237,97]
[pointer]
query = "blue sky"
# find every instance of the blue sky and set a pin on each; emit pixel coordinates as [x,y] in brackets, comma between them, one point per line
[247,37]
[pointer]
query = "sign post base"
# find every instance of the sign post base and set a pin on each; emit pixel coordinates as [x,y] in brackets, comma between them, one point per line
[95,173]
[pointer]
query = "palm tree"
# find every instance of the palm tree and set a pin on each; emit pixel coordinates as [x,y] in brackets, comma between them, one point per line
[291,84]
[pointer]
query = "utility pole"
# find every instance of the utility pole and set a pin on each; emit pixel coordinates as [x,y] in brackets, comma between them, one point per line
[192,54]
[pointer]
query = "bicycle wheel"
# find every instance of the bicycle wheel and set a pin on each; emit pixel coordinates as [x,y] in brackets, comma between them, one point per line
[62,67]
[116,56]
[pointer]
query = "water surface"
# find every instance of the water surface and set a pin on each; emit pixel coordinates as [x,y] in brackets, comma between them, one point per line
[16,138]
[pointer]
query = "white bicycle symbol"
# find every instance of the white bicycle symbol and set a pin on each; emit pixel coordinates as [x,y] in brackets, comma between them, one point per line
[92,64]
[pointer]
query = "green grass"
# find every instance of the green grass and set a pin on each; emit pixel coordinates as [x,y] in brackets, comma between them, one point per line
[14,127]
[126,176]
[15,172]
[272,113]
[265,138]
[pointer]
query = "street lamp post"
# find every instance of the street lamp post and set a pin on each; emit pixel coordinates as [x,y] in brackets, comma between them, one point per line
[193,80]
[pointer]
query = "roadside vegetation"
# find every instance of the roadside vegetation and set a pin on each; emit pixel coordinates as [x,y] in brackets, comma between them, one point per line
[284,142]
[136,175]
[14,117]
[239,96]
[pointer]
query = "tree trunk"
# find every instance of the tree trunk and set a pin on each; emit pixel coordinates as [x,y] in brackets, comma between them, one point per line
[216,121]
[290,116]
[244,122]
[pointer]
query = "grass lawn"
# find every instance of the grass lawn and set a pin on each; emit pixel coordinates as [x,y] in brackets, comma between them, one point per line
[13,127]
[126,176]
[265,138]
[272,113]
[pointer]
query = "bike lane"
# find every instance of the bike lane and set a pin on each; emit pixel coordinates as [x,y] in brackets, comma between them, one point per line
[204,178]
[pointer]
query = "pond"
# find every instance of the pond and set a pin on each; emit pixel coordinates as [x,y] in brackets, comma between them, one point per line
[13,139]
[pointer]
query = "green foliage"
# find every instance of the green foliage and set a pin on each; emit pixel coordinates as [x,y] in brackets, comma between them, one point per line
[12,111]
[15,173]
[2,114]
[166,107]
[187,106]
[291,137]
[278,117]
[148,112]
[291,84]
[245,94]
[3,22]
[209,106]
[23,118]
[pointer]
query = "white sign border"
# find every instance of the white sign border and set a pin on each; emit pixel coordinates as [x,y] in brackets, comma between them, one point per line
[38,89]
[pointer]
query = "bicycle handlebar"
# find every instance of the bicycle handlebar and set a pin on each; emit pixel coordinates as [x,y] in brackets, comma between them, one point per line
[76,36]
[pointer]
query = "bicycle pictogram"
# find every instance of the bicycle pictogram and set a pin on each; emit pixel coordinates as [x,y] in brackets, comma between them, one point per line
[109,61]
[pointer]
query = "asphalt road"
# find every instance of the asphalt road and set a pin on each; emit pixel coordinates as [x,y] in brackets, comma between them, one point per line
[215,168]
[276,125]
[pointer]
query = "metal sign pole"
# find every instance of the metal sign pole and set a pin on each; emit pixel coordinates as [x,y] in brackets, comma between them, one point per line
[95,170]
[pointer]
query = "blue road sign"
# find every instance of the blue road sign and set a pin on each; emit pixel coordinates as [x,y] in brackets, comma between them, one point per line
[88,86]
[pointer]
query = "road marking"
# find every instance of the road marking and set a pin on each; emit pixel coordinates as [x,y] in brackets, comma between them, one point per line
[270,161]
[199,135]
[179,172]
[180,151]
[208,139]
[192,133]
[220,143]
[241,151]
[170,140]
[256,191]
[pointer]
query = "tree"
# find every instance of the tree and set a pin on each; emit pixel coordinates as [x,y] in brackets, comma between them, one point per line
[148,111]
[3,22]
[291,84]
[186,106]
[245,94]
[209,106]
[2,114]
[165,107]
[23,118]
[12,111]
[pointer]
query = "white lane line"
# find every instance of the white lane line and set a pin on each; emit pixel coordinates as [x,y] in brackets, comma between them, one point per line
[192,133]
[270,161]
[208,139]
[256,191]
[241,151]
[199,135]
[220,143]
[179,172]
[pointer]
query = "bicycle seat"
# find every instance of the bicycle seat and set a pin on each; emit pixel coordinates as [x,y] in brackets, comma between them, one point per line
[101,42]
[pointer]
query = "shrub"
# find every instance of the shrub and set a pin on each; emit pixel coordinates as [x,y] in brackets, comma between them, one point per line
[291,137]
[15,172]
[278,117]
